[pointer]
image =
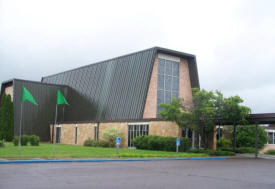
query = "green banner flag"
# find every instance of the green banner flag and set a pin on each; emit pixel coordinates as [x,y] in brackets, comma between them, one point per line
[26,95]
[61,99]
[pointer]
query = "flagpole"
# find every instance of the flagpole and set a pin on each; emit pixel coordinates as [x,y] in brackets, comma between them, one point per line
[20,128]
[54,129]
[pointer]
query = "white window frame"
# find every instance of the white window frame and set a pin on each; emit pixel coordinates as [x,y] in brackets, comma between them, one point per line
[273,137]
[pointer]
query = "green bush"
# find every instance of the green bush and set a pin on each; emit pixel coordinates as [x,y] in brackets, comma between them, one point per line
[93,143]
[197,150]
[6,118]
[24,140]
[110,136]
[213,152]
[2,144]
[34,140]
[224,143]
[15,141]
[226,149]
[246,136]
[220,153]
[151,142]
[270,152]
[245,150]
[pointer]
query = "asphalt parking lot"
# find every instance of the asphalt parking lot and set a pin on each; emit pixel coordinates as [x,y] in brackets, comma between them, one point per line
[230,173]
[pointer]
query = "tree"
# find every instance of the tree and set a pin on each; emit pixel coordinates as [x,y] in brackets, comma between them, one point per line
[208,109]
[200,117]
[204,114]
[6,118]
[246,136]
[176,111]
[235,113]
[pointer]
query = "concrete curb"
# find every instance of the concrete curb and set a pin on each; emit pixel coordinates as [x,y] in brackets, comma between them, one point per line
[108,160]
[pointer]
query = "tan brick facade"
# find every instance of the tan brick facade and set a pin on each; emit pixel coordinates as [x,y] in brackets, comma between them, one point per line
[86,131]
[268,147]
[164,128]
[185,90]
[67,134]
[150,108]
[122,126]
[9,91]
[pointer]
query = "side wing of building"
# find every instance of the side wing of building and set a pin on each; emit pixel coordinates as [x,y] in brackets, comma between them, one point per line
[36,119]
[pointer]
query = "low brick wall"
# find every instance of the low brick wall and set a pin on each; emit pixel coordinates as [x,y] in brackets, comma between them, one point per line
[268,147]
[85,131]
[164,128]
[122,126]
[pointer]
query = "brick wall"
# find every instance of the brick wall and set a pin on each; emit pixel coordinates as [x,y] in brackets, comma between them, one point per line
[9,91]
[122,126]
[164,128]
[150,109]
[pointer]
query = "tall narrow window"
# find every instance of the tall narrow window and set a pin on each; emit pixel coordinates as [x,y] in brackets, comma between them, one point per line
[95,132]
[58,134]
[75,134]
[168,81]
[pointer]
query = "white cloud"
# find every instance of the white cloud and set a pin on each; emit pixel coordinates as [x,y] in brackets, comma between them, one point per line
[233,40]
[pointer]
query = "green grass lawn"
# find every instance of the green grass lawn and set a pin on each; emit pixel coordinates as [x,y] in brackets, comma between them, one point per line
[45,151]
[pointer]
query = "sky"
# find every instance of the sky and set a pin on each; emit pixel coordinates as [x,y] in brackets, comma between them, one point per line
[234,41]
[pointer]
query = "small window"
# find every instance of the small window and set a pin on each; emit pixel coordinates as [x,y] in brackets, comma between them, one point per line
[175,69]
[75,134]
[95,132]
[175,94]
[168,67]
[160,82]
[175,84]
[161,66]
[58,134]
[167,97]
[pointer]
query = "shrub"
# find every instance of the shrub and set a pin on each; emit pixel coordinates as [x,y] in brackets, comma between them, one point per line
[243,150]
[213,152]
[224,143]
[110,135]
[6,118]
[34,140]
[270,152]
[24,140]
[220,153]
[93,143]
[15,141]
[151,142]
[226,149]
[246,136]
[2,144]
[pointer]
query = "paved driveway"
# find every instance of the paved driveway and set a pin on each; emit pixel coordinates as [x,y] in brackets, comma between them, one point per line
[231,173]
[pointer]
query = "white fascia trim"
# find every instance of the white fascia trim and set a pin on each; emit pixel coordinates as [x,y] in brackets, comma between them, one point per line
[269,131]
[168,57]
[139,123]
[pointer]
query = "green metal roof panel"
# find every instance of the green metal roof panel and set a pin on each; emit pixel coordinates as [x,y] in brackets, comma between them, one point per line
[113,89]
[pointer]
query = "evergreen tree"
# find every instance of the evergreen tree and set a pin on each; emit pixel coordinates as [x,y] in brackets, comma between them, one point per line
[6,118]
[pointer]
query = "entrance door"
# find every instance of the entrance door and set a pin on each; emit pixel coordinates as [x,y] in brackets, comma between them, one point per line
[58,134]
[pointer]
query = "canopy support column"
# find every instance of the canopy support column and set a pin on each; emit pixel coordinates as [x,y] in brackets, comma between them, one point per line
[234,138]
[256,139]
